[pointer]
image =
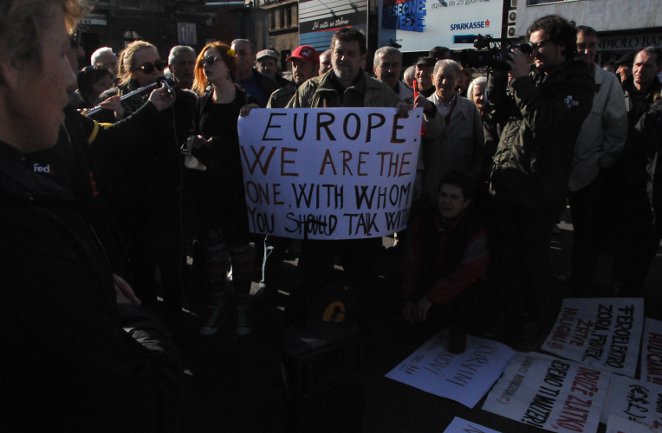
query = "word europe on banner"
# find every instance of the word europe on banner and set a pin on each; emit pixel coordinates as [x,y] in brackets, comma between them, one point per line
[332,173]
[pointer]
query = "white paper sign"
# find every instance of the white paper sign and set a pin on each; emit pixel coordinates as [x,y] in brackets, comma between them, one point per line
[601,332]
[461,425]
[634,400]
[464,378]
[651,352]
[550,393]
[329,173]
[616,424]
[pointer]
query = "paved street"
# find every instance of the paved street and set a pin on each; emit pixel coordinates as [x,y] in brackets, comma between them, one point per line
[236,383]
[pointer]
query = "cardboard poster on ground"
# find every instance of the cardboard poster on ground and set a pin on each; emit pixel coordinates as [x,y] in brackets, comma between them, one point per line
[550,393]
[634,400]
[461,425]
[600,332]
[329,173]
[464,378]
[616,424]
[651,352]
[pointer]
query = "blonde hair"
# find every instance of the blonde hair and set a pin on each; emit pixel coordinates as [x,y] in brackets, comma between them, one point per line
[125,59]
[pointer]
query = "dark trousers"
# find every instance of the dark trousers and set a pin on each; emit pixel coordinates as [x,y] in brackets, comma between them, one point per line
[357,256]
[638,241]
[158,243]
[520,254]
[590,220]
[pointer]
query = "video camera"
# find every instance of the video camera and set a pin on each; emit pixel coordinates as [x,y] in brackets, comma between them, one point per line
[492,53]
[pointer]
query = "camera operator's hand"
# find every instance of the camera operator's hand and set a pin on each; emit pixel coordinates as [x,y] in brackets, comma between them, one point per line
[520,64]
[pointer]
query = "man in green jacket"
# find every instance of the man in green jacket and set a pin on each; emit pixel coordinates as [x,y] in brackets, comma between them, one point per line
[543,111]
[345,85]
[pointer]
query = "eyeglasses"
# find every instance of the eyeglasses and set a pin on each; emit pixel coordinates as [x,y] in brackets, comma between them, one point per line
[209,61]
[149,67]
[535,46]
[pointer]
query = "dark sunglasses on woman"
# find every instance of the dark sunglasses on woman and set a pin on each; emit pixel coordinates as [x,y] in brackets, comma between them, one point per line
[208,61]
[148,67]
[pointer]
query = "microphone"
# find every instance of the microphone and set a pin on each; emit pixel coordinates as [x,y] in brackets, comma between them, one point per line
[167,83]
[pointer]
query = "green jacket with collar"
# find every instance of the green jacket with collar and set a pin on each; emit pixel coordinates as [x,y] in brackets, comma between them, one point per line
[366,92]
[543,116]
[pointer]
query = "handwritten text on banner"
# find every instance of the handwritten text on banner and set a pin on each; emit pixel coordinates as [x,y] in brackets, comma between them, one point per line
[601,332]
[464,378]
[332,173]
[550,393]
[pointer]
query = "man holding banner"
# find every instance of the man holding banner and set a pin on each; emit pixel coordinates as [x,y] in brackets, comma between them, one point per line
[345,85]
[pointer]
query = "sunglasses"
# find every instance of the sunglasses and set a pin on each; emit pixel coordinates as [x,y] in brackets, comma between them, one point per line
[149,67]
[208,61]
[535,46]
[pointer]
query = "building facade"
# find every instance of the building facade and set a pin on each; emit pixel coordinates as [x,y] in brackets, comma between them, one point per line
[165,23]
[622,26]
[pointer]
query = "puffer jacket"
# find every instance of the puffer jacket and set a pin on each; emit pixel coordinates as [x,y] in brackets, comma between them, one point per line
[543,116]
[320,92]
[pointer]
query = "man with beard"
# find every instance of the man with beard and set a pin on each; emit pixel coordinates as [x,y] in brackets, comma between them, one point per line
[543,112]
[345,85]
[304,60]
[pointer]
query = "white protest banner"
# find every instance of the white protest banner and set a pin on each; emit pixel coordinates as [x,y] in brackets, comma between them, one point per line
[464,378]
[329,173]
[651,352]
[617,424]
[461,425]
[601,332]
[635,400]
[550,393]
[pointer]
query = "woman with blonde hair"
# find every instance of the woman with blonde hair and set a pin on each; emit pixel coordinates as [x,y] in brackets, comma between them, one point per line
[219,193]
[139,65]
[143,183]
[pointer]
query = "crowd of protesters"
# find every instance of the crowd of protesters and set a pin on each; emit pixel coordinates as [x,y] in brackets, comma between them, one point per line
[103,204]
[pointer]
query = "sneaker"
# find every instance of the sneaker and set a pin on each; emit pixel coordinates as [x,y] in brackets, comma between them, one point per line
[243,322]
[213,322]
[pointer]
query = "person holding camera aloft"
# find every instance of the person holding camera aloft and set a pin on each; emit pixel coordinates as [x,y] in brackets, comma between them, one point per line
[543,111]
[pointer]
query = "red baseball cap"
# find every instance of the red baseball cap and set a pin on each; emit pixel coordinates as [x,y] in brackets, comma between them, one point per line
[304,52]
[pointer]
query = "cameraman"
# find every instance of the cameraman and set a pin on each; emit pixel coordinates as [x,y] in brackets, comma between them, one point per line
[543,111]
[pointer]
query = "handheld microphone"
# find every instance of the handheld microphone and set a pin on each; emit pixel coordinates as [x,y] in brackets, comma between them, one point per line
[167,83]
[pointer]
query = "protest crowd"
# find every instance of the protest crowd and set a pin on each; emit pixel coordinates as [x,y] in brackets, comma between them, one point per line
[124,201]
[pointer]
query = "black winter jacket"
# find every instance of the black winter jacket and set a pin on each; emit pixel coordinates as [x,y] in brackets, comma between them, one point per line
[67,364]
[542,116]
